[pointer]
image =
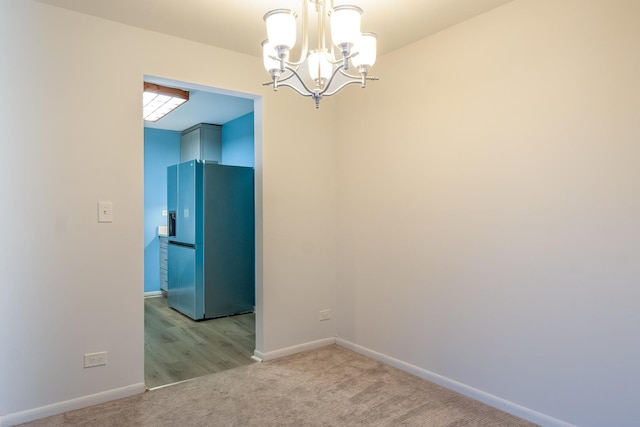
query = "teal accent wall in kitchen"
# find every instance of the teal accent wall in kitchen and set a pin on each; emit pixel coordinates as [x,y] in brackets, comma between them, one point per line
[161,149]
[238,141]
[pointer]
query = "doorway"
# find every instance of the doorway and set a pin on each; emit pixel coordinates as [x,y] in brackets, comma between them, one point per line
[176,347]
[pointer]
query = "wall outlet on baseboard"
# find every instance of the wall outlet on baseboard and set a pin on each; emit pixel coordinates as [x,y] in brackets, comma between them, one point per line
[95,359]
[324,315]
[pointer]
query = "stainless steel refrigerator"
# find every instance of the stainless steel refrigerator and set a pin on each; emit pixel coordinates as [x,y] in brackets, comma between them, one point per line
[211,233]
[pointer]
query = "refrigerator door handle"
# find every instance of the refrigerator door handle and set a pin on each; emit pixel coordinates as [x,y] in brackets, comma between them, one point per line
[186,245]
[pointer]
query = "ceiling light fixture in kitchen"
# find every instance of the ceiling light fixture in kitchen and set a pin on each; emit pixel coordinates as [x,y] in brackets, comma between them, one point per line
[158,101]
[327,71]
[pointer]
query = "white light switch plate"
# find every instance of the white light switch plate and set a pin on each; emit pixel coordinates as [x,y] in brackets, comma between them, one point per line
[105,212]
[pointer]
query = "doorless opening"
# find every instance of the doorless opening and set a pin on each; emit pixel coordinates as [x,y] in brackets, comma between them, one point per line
[176,347]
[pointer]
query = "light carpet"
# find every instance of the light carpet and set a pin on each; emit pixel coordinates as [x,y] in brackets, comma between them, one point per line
[330,386]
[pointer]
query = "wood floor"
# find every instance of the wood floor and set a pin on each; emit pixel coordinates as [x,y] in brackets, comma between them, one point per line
[177,348]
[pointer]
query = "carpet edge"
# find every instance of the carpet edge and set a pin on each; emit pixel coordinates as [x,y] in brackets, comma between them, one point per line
[466,390]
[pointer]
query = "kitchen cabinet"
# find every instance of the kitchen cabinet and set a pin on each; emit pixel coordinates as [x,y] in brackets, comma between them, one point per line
[201,142]
[164,263]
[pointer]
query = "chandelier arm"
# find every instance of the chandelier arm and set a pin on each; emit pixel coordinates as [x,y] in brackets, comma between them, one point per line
[295,73]
[353,80]
[341,59]
[338,60]
[349,75]
[358,77]
[284,79]
[280,79]
[300,92]
[298,63]
[322,18]
[332,47]
[333,75]
[339,88]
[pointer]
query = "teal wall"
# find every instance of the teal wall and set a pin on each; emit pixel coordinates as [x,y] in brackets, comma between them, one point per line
[237,141]
[161,149]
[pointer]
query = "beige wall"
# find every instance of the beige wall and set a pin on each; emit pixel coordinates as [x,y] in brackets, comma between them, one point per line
[72,135]
[489,207]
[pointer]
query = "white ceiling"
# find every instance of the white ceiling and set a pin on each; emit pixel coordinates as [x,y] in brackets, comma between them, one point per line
[237,24]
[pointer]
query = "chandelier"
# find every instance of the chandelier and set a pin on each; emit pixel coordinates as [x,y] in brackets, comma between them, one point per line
[327,67]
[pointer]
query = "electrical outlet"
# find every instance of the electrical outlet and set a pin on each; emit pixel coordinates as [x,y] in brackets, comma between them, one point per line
[95,359]
[324,315]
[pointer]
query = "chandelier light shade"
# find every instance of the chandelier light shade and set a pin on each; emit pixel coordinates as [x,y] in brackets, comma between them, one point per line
[366,46]
[271,63]
[281,28]
[320,67]
[345,26]
[329,63]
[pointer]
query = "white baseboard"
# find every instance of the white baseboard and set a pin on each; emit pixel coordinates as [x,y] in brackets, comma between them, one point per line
[479,395]
[474,393]
[69,405]
[153,294]
[276,354]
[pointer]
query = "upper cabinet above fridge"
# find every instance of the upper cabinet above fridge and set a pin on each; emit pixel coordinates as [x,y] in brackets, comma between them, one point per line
[201,142]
